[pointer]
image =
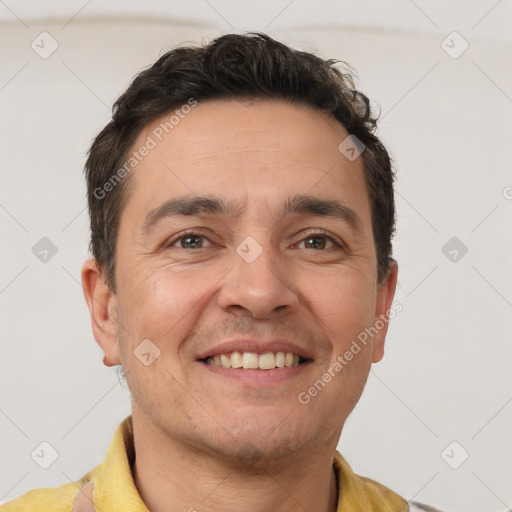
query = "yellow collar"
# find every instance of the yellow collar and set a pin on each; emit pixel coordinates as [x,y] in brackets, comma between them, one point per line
[114,488]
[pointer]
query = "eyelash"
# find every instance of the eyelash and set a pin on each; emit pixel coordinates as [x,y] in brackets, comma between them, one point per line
[312,234]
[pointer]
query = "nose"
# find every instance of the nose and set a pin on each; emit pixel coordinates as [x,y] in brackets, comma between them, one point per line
[259,287]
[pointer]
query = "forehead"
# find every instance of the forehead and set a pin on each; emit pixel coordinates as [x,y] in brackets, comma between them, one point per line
[250,151]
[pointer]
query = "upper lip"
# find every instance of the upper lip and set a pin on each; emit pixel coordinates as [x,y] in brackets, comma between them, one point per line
[256,346]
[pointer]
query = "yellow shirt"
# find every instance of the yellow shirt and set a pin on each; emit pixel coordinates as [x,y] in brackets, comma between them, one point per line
[114,489]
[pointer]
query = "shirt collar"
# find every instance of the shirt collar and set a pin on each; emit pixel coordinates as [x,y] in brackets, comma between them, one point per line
[114,488]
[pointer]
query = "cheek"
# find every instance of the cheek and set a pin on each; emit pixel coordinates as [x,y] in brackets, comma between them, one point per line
[352,348]
[152,293]
[344,310]
[156,307]
[163,304]
[345,304]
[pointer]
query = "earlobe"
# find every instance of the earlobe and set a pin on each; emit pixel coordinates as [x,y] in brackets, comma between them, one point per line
[385,294]
[101,301]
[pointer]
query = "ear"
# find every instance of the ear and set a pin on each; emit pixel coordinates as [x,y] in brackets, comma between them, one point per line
[102,302]
[385,294]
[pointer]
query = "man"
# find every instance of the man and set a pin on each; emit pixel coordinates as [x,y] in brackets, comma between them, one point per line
[241,213]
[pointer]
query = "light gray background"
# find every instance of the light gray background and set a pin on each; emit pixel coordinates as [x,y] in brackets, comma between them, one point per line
[446,375]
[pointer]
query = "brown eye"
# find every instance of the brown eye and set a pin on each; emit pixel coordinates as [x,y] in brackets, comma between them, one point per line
[318,241]
[188,241]
[191,241]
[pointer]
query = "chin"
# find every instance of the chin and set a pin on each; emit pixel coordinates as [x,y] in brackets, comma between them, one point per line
[257,444]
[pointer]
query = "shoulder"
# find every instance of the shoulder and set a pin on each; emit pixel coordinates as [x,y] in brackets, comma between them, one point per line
[47,499]
[364,492]
[371,494]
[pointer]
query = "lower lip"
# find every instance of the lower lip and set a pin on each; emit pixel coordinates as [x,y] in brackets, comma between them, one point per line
[258,377]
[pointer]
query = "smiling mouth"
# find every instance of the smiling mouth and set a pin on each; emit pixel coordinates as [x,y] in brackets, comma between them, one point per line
[254,361]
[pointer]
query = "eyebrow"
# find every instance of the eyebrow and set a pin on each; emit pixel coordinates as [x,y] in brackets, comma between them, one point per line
[212,205]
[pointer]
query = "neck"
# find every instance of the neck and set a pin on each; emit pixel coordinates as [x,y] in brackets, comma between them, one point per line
[168,473]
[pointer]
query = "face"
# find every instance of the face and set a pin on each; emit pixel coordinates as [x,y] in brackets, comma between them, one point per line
[269,250]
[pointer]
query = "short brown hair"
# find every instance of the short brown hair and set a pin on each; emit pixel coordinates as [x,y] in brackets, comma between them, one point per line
[248,67]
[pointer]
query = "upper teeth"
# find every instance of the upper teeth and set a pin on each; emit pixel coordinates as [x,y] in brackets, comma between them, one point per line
[249,360]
